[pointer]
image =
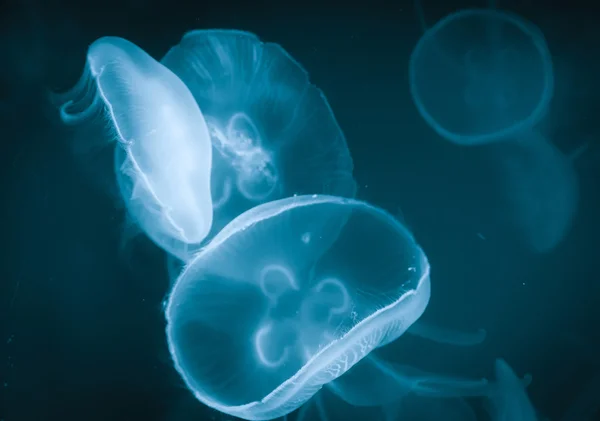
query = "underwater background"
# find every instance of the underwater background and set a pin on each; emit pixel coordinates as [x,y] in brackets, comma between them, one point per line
[81,317]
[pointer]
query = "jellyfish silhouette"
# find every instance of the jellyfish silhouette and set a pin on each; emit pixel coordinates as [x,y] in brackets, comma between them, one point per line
[480,75]
[163,156]
[540,187]
[288,297]
[509,400]
[274,134]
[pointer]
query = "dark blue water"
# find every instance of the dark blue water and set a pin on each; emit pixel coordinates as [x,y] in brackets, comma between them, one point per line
[81,323]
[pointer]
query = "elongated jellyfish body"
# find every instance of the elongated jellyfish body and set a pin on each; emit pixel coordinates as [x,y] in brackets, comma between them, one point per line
[273,132]
[290,296]
[163,156]
[509,400]
[481,75]
[540,187]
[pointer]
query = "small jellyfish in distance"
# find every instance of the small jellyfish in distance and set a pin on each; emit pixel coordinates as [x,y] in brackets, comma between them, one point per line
[540,187]
[163,156]
[260,319]
[273,132]
[480,75]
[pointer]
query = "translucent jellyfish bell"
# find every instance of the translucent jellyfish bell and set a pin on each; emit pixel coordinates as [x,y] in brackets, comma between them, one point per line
[273,132]
[541,187]
[288,297]
[480,75]
[163,158]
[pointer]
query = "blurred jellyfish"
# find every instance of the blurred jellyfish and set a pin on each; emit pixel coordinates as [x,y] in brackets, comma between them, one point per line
[163,158]
[274,134]
[541,187]
[510,401]
[288,297]
[480,75]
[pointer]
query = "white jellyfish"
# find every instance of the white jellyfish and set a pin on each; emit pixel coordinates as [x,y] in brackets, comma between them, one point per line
[260,319]
[273,132]
[163,156]
[480,75]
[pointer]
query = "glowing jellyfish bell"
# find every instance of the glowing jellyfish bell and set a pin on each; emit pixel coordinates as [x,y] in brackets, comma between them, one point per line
[480,75]
[273,132]
[288,297]
[163,159]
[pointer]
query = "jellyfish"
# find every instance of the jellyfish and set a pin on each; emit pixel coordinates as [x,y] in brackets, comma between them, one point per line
[481,75]
[273,132]
[509,400]
[540,186]
[163,156]
[288,297]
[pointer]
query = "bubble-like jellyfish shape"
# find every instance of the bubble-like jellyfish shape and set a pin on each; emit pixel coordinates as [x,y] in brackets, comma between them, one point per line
[273,132]
[163,158]
[541,188]
[288,297]
[509,400]
[479,75]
